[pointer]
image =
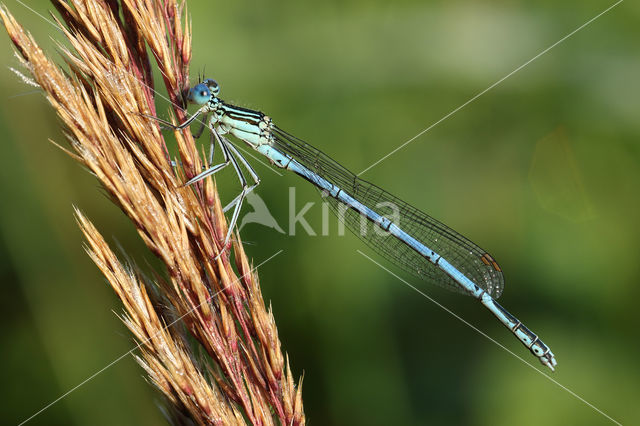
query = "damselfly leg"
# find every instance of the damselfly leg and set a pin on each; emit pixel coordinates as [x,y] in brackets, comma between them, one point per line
[231,155]
[215,137]
[252,172]
[203,124]
[234,155]
[169,125]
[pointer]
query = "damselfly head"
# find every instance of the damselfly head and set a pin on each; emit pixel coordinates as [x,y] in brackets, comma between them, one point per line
[199,94]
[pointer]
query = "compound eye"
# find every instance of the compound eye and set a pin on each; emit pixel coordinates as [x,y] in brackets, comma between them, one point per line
[213,86]
[199,94]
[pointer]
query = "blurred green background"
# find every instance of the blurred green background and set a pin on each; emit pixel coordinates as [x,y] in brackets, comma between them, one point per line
[543,171]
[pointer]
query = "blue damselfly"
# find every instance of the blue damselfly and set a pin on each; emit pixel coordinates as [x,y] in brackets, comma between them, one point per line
[403,234]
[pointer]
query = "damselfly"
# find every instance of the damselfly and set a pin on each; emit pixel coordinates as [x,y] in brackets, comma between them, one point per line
[403,234]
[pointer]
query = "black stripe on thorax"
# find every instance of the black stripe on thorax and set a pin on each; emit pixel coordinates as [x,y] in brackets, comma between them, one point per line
[242,114]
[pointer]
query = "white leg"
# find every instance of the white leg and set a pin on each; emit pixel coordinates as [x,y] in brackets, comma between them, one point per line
[180,126]
[203,124]
[214,169]
[240,198]
[245,163]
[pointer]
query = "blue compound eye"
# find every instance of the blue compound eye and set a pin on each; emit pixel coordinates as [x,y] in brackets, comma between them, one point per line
[213,86]
[199,94]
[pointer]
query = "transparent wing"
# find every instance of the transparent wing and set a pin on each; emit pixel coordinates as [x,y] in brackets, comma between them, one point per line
[467,257]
